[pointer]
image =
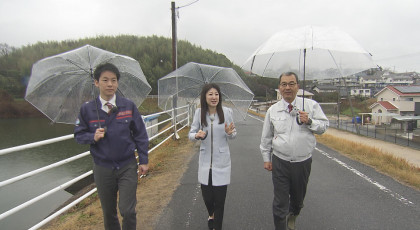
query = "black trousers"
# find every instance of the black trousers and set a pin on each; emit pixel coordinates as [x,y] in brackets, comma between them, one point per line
[214,197]
[290,180]
[111,181]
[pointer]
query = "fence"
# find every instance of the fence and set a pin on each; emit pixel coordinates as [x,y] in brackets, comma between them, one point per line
[387,133]
[179,117]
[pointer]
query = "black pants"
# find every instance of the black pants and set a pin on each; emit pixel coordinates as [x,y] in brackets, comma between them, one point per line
[111,181]
[214,198]
[290,180]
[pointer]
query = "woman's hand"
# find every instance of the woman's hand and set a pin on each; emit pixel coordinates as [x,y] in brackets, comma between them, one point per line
[200,135]
[229,129]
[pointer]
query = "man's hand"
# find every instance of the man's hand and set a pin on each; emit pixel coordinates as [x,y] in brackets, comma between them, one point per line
[268,166]
[304,117]
[99,134]
[143,169]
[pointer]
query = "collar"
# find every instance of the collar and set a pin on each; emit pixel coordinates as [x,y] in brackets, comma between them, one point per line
[112,101]
[284,105]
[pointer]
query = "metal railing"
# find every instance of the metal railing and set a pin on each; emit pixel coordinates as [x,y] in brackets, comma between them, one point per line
[395,135]
[182,119]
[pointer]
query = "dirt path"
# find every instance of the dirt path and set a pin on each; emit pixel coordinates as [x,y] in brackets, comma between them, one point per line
[411,155]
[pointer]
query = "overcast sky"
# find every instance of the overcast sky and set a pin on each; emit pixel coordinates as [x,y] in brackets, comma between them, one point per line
[389,29]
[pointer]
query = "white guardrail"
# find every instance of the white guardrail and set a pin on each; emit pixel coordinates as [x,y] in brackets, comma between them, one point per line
[185,119]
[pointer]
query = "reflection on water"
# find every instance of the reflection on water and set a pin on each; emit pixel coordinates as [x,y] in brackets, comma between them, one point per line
[14,132]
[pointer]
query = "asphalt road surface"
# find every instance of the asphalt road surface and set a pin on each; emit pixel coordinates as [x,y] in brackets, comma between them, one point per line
[342,193]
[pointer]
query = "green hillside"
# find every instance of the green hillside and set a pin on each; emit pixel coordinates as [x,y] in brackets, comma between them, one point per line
[153,53]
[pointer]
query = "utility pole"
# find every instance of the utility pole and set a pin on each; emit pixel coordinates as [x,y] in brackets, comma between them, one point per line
[174,67]
[174,38]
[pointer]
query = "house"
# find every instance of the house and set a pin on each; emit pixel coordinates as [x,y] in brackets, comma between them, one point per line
[395,101]
[360,92]
[325,89]
[382,112]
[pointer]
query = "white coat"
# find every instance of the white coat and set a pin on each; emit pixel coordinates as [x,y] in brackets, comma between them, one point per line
[221,164]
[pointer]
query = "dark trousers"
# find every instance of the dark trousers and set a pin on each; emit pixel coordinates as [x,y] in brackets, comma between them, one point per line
[214,198]
[109,182]
[290,180]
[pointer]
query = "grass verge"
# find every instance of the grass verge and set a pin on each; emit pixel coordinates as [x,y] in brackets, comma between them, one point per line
[395,167]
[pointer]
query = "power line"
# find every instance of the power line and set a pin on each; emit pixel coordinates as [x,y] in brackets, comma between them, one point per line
[189,4]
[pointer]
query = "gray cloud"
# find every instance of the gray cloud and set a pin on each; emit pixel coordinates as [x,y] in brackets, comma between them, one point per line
[235,28]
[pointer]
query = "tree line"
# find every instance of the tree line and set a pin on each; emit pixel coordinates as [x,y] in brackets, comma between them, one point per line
[154,53]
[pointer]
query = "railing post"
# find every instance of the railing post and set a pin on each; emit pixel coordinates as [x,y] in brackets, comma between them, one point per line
[408,138]
[385,135]
[367,129]
[174,114]
[395,141]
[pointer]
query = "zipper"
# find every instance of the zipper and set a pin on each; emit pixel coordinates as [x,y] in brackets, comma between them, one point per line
[211,145]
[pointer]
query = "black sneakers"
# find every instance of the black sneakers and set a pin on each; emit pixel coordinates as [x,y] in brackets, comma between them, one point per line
[210,223]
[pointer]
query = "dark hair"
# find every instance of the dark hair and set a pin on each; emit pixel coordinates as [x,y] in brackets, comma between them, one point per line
[289,74]
[205,106]
[106,67]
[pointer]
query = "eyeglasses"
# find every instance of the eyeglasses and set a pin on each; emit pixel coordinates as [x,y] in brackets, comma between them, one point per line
[290,84]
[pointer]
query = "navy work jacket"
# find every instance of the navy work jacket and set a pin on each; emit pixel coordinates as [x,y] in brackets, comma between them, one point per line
[125,132]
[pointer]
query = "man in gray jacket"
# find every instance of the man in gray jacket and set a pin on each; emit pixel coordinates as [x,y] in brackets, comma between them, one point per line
[287,142]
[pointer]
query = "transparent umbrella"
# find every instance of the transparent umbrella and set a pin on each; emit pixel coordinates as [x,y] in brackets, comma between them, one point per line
[185,83]
[312,52]
[60,84]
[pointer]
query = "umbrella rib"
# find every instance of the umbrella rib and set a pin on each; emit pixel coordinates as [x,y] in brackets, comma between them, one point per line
[335,62]
[77,65]
[236,107]
[267,63]
[195,86]
[202,75]
[60,111]
[230,83]
[214,75]
[191,78]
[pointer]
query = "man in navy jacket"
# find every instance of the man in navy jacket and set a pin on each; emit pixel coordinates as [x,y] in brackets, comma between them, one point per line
[114,128]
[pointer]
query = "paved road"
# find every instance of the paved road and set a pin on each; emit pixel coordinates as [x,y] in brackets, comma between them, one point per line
[342,194]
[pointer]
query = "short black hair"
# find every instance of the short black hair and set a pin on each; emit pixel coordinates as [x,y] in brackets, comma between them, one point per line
[106,67]
[289,74]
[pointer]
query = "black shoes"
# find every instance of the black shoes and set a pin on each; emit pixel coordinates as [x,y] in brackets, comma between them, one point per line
[210,223]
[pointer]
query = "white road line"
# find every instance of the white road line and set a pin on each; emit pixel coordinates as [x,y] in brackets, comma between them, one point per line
[381,187]
[256,118]
[194,201]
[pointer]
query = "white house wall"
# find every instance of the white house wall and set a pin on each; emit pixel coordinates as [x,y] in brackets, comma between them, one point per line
[404,105]
[377,118]
[387,95]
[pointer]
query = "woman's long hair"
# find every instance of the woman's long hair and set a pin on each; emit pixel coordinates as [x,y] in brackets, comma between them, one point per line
[205,106]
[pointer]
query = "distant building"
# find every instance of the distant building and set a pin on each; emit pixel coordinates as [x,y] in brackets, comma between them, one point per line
[395,101]
[360,92]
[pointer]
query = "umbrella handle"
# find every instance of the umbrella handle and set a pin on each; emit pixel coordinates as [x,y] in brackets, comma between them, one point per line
[298,120]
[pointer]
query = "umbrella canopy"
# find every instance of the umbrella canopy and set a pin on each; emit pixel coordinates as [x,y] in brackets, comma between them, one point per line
[330,53]
[186,82]
[60,84]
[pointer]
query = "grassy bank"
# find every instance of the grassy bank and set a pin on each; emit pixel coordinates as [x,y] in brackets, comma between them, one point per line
[397,168]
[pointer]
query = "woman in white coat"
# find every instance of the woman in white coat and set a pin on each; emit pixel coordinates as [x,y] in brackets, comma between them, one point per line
[213,125]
